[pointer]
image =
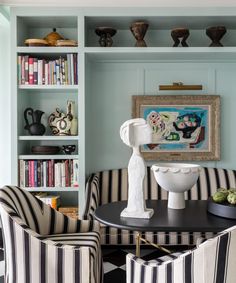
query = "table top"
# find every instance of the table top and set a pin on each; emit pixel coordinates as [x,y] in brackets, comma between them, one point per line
[194,218]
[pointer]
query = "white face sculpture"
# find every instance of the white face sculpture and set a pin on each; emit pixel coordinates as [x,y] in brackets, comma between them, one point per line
[136,132]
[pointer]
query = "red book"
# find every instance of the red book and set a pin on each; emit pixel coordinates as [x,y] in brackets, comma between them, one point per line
[31,71]
[31,173]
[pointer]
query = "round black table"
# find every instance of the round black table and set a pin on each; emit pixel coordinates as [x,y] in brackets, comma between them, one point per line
[194,218]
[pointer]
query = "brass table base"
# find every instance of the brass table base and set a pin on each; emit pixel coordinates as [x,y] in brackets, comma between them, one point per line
[138,241]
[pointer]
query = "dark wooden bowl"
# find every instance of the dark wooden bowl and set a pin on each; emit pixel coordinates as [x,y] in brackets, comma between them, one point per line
[45,149]
[225,209]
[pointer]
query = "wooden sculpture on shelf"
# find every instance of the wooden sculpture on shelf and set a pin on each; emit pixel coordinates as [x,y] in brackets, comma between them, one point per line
[134,133]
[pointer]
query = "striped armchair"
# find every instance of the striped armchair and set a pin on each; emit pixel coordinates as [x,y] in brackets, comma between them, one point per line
[212,261]
[43,245]
[112,185]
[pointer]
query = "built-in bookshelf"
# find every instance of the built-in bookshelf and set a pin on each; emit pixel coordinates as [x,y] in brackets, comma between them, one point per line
[46,79]
[98,75]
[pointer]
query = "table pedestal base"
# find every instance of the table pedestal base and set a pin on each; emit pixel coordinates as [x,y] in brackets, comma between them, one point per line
[138,242]
[148,213]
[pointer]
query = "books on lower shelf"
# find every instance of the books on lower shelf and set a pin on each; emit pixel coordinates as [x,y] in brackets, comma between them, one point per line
[38,71]
[49,173]
[71,211]
[53,201]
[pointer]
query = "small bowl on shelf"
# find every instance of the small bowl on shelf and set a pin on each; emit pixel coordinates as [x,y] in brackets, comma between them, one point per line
[69,148]
[45,149]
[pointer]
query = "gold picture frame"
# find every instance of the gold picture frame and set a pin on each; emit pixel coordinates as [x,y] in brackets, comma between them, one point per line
[185,127]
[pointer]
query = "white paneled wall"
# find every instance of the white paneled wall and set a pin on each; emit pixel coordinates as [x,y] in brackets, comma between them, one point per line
[5,109]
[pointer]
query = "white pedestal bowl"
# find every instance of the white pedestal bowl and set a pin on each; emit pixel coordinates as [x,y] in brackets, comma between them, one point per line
[176,178]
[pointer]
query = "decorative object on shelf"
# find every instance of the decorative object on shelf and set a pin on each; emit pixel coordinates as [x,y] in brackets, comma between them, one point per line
[45,149]
[69,148]
[52,37]
[106,34]
[179,33]
[139,30]
[36,42]
[35,128]
[184,127]
[216,34]
[74,121]
[180,86]
[136,132]
[61,123]
[66,42]
[176,178]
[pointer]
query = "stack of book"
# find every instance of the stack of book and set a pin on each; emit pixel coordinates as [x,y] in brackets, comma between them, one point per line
[49,173]
[53,201]
[70,211]
[37,71]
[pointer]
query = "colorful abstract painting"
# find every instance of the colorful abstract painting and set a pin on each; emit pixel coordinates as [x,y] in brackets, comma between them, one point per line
[181,125]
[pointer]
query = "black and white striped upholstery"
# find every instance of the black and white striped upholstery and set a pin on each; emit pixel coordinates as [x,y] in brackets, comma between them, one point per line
[112,185]
[214,261]
[44,246]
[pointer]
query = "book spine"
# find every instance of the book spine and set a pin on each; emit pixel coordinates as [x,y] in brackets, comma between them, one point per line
[40,72]
[58,80]
[49,173]
[22,70]
[68,69]
[63,174]
[35,71]
[32,173]
[44,173]
[43,71]
[67,173]
[46,73]
[75,69]
[19,69]
[26,69]
[52,173]
[54,73]
[72,69]
[26,173]
[63,72]
[22,173]
[31,71]
[75,173]
[35,173]
[38,173]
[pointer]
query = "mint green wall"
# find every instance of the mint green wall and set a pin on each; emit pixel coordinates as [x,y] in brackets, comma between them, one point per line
[113,83]
[5,108]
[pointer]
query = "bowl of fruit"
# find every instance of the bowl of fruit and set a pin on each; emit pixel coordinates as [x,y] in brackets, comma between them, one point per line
[223,203]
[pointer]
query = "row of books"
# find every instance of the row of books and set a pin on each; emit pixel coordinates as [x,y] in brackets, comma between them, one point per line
[37,71]
[49,173]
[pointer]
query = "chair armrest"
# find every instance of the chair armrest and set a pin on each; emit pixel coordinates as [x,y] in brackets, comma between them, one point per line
[55,260]
[91,197]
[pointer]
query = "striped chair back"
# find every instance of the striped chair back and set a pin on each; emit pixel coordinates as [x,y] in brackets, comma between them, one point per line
[214,261]
[113,184]
[43,245]
[33,213]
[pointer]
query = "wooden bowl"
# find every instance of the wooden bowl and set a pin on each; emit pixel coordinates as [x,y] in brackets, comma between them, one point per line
[36,42]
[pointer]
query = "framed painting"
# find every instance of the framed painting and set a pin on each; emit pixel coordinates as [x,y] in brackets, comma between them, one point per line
[184,127]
